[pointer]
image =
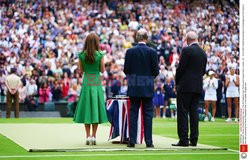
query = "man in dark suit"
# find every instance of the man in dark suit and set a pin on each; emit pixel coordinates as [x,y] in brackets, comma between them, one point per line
[141,68]
[189,79]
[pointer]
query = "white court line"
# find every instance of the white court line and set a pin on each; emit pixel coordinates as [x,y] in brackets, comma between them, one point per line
[233,150]
[104,155]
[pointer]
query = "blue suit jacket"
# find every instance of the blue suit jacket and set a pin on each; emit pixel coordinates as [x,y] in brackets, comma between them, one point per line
[141,68]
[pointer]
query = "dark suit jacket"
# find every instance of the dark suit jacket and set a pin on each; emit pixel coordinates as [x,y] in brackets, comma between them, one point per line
[191,68]
[141,67]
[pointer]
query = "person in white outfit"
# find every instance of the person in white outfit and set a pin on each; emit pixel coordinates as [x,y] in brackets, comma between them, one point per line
[210,85]
[22,92]
[232,94]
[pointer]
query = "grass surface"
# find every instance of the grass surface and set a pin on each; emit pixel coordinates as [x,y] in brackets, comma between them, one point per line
[217,134]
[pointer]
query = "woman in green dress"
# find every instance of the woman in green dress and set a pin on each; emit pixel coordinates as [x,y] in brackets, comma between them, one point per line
[90,108]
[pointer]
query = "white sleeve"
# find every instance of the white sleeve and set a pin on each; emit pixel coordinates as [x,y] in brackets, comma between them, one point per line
[205,84]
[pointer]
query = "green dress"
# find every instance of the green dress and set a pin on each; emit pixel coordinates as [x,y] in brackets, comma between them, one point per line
[90,106]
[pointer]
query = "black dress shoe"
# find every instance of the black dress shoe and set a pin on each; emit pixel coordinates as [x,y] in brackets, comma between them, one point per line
[150,146]
[194,144]
[131,145]
[180,144]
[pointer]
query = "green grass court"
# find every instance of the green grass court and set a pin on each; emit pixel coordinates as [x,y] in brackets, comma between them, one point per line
[219,134]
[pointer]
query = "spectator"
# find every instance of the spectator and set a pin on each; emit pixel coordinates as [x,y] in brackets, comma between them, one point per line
[49,70]
[58,69]
[124,87]
[79,86]
[44,93]
[73,93]
[28,69]
[2,82]
[168,93]
[158,98]
[116,86]
[163,73]
[2,60]
[75,78]
[12,59]
[22,93]
[32,90]
[56,91]
[65,84]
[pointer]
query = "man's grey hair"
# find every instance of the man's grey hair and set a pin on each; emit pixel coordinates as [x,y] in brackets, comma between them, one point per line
[192,35]
[142,35]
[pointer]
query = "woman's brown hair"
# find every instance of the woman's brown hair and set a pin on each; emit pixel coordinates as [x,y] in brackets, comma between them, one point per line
[91,45]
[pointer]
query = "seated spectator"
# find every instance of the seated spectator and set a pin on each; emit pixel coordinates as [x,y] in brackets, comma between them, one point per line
[116,86]
[32,88]
[22,93]
[79,86]
[44,93]
[124,87]
[65,83]
[2,60]
[28,69]
[49,70]
[75,78]
[73,93]
[12,59]
[58,69]
[56,91]
[32,92]
[2,83]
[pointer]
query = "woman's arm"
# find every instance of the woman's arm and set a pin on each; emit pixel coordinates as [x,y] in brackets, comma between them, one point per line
[80,65]
[227,82]
[102,67]
[237,81]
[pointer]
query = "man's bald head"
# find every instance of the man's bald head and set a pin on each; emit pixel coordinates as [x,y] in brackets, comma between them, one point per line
[142,35]
[191,37]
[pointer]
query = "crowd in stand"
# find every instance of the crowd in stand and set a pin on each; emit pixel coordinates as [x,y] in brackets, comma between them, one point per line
[42,39]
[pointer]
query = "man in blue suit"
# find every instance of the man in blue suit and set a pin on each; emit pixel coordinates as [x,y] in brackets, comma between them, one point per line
[141,68]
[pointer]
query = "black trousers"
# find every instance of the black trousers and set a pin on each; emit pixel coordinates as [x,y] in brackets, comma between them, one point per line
[218,107]
[147,107]
[187,104]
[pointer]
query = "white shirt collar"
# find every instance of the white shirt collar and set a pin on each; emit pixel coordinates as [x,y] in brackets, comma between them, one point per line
[193,43]
[141,43]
